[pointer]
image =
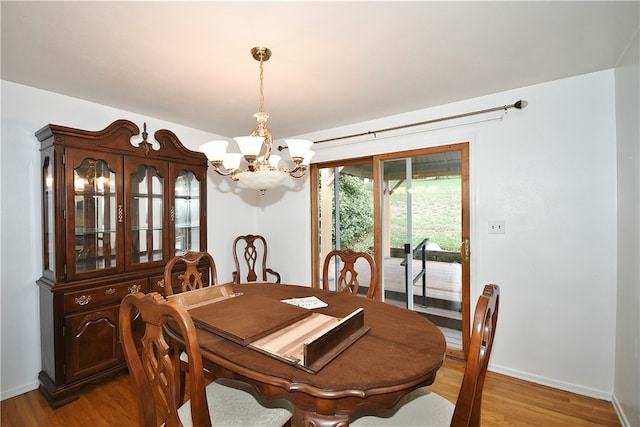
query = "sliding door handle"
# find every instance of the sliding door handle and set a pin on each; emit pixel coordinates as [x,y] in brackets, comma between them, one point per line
[464,251]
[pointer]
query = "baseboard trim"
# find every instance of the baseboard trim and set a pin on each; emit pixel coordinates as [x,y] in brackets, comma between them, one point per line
[621,415]
[560,385]
[8,394]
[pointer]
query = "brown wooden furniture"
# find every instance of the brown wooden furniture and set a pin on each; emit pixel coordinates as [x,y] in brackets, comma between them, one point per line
[347,280]
[423,408]
[401,352]
[155,371]
[254,254]
[190,276]
[114,213]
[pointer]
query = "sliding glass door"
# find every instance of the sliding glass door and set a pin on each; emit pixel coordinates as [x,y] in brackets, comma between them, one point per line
[410,211]
[422,233]
[345,214]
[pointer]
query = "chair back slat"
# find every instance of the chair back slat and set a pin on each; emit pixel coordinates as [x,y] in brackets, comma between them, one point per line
[252,250]
[191,278]
[347,279]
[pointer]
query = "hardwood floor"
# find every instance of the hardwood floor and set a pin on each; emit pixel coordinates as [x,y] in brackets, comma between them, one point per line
[506,402]
[112,403]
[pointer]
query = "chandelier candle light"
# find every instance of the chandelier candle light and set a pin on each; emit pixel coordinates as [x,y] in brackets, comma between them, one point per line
[262,171]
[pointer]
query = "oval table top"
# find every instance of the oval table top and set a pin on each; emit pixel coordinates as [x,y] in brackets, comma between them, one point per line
[401,352]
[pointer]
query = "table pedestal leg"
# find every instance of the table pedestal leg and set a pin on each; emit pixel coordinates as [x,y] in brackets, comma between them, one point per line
[313,419]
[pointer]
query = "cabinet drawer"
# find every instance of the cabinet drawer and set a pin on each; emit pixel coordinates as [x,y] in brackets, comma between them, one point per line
[156,284]
[95,297]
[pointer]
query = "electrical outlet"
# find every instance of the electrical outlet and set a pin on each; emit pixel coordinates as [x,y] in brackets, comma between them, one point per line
[496,227]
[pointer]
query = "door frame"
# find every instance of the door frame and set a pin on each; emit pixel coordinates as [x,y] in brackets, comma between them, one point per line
[376,161]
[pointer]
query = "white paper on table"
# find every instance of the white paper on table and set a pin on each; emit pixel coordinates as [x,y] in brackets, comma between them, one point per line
[307,302]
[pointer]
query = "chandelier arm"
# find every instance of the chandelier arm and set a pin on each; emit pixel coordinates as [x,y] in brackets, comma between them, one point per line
[221,170]
[296,172]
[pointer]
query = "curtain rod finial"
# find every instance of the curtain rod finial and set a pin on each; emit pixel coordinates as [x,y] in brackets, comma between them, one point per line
[520,104]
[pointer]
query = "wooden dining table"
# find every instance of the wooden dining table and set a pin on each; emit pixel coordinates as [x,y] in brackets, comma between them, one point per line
[401,351]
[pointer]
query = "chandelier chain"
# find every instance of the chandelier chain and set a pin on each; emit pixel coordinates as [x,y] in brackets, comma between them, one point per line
[261,108]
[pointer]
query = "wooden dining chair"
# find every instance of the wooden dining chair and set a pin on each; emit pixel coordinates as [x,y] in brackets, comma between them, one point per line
[252,249]
[154,369]
[424,408]
[347,280]
[191,278]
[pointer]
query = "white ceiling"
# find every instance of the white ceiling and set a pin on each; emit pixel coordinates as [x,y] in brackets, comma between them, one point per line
[333,63]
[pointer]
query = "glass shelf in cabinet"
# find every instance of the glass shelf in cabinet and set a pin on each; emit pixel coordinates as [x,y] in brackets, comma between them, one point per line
[142,228]
[95,193]
[90,231]
[147,195]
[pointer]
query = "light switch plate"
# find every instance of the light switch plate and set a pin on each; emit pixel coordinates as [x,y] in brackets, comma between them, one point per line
[496,227]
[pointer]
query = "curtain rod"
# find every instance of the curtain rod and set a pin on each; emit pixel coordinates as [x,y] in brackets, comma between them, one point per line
[518,104]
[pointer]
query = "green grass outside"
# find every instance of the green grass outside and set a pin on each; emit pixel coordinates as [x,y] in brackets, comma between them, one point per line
[436,214]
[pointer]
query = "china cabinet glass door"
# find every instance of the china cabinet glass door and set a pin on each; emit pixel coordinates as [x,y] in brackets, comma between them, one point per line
[185,212]
[146,213]
[94,213]
[48,226]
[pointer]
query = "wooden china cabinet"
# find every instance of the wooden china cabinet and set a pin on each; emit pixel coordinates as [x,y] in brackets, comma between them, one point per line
[114,212]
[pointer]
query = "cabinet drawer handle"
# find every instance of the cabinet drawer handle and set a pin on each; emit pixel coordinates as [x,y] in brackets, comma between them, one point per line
[120,213]
[83,300]
[160,283]
[110,291]
[173,213]
[134,288]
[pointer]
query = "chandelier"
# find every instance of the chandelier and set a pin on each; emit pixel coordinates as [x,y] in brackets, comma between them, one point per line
[261,170]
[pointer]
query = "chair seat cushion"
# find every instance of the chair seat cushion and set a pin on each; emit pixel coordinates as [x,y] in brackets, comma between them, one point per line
[237,404]
[418,408]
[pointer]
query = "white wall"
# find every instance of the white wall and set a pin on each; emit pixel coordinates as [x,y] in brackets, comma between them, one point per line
[24,111]
[548,171]
[231,211]
[627,374]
